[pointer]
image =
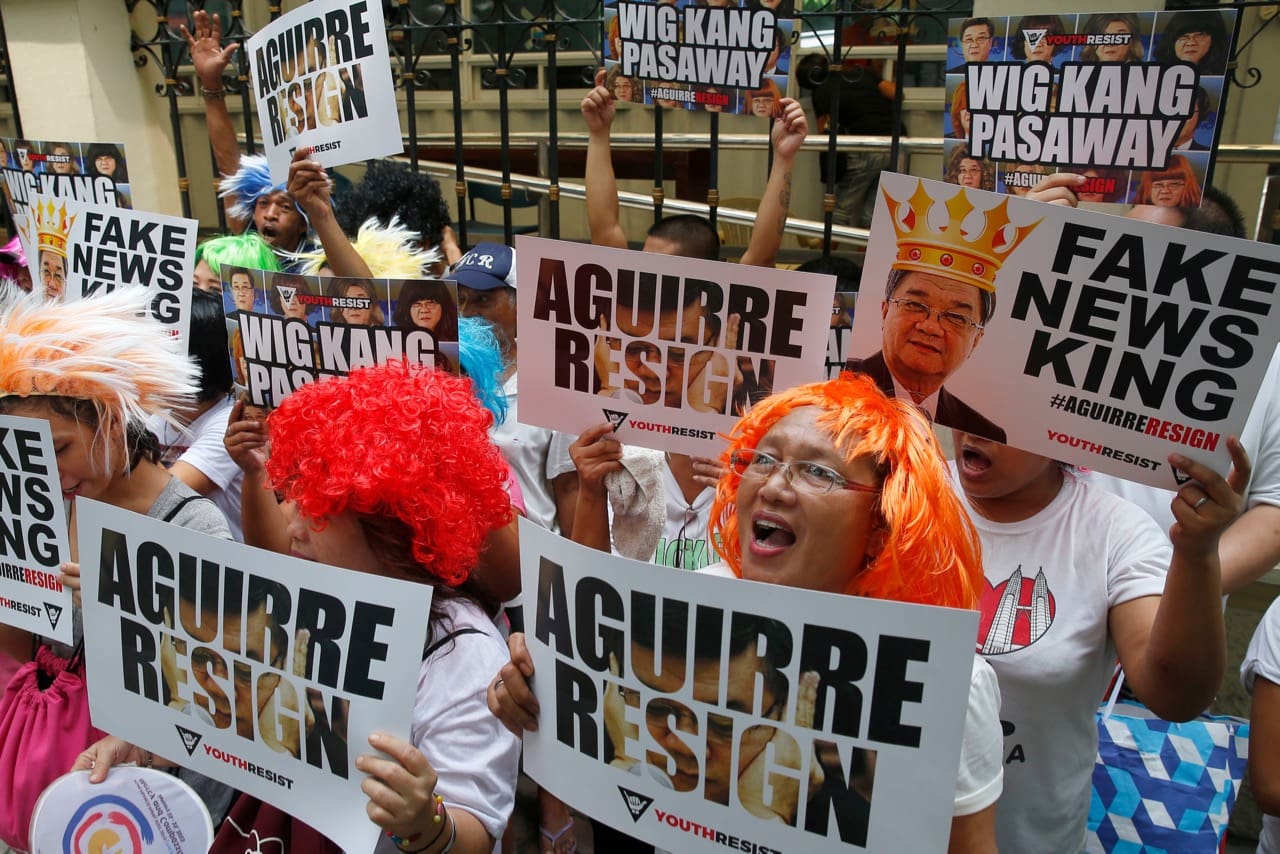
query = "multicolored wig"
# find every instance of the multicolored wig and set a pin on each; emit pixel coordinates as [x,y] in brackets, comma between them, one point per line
[238,250]
[107,351]
[13,260]
[251,182]
[406,449]
[481,358]
[391,251]
[931,554]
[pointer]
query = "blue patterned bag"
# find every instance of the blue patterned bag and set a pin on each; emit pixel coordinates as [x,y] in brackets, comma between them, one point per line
[1161,786]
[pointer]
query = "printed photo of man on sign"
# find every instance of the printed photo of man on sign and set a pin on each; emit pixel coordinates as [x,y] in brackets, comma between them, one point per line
[937,301]
[1101,341]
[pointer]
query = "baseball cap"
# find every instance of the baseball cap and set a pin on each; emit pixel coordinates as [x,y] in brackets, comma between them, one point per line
[486,266]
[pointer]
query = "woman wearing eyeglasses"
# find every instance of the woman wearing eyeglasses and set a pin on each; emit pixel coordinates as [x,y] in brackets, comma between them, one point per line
[1197,36]
[834,487]
[1175,186]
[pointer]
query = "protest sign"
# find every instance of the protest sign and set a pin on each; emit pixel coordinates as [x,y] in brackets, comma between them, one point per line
[135,809]
[286,330]
[694,712]
[264,672]
[670,349]
[86,172]
[1089,338]
[1129,99]
[322,77]
[732,57]
[108,247]
[840,338]
[33,531]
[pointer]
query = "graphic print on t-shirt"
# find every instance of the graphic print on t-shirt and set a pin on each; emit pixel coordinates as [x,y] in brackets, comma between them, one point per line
[1015,613]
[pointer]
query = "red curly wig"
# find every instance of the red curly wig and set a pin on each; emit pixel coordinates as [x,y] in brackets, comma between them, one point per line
[931,554]
[399,442]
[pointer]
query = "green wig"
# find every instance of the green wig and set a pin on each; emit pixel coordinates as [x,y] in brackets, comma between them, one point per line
[238,250]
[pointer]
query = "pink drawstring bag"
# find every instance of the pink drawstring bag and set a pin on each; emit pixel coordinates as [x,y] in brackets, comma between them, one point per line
[44,726]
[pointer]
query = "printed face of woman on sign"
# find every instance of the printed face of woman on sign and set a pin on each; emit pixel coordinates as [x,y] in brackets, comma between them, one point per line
[1115,52]
[1192,47]
[358,316]
[426,313]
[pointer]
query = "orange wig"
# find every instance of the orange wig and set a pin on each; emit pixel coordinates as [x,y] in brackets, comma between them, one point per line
[931,554]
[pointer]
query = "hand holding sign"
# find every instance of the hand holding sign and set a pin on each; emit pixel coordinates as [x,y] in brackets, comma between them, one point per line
[401,789]
[1206,508]
[595,454]
[510,698]
[599,107]
[1057,189]
[309,184]
[790,127]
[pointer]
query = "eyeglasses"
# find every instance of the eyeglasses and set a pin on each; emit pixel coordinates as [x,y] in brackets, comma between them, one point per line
[1174,186]
[811,477]
[1187,38]
[972,41]
[427,303]
[919,312]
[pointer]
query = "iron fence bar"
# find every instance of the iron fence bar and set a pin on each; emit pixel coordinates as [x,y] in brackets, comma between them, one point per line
[550,39]
[454,43]
[658,143]
[713,171]
[7,66]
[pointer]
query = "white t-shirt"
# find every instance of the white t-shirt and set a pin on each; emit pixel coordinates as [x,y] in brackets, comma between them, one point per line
[1263,659]
[684,543]
[1260,437]
[474,754]
[202,449]
[980,776]
[537,456]
[1051,582]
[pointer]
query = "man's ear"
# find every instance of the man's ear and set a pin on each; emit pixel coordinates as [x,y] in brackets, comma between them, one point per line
[976,339]
[884,310]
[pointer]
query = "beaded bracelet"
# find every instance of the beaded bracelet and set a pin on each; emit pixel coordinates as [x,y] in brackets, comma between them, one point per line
[401,841]
[216,94]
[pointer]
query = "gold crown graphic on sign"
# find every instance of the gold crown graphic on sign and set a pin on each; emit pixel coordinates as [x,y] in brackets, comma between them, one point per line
[947,250]
[52,227]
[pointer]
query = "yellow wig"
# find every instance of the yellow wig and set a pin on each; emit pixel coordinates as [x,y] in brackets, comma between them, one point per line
[931,554]
[391,251]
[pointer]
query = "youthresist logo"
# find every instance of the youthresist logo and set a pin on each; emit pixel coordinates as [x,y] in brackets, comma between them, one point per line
[190,739]
[615,418]
[53,612]
[1034,37]
[286,294]
[637,804]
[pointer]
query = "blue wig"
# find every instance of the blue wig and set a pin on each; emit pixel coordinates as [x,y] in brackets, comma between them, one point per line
[482,361]
[251,182]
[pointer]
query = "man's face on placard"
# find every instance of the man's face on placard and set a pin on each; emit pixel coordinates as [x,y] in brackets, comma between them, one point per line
[682,326]
[672,727]
[53,274]
[210,670]
[975,42]
[242,291]
[930,328]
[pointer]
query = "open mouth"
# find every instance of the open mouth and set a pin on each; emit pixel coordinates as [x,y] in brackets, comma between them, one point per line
[770,535]
[973,462]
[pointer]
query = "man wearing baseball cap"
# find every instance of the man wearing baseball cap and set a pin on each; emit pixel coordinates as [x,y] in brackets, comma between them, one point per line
[486,278]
